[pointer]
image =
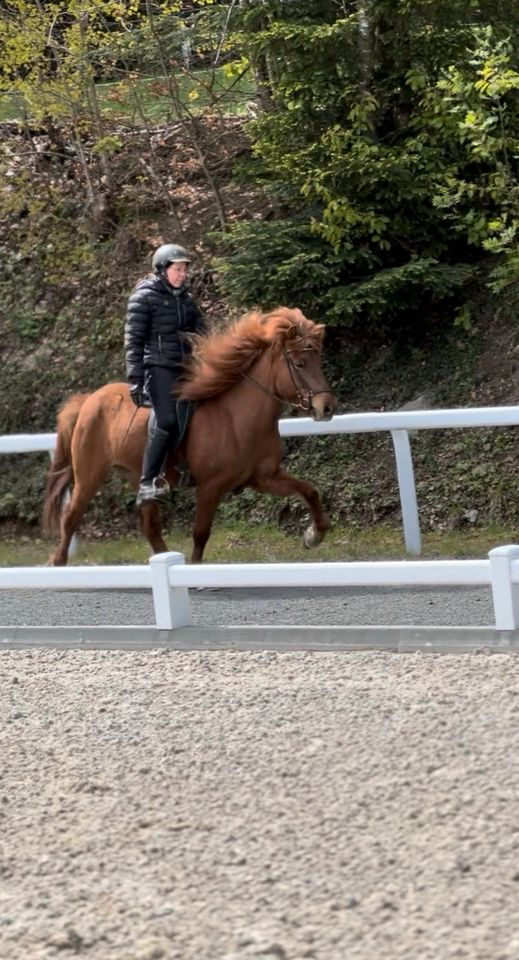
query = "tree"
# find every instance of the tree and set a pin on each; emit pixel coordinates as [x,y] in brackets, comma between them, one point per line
[392,144]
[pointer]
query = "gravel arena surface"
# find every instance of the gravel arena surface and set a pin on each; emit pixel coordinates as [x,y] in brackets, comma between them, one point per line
[227,806]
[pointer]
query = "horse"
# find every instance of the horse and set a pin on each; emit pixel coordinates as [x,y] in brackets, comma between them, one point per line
[238,380]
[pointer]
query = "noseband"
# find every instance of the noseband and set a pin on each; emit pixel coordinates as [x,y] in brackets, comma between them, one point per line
[304,392]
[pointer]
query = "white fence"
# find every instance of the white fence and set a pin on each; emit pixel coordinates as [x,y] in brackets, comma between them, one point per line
[170,579]
[398,423]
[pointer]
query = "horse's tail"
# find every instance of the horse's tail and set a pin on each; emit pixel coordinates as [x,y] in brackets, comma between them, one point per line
[60,474]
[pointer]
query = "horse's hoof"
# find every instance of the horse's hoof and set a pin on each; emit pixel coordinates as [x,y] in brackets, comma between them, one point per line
[55,562]
[312,537]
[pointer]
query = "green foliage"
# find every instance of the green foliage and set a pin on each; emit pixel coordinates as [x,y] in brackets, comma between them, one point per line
[51,54]
[282,261]
[399,290]
[275,262]
[387,132]
[391,133]
[505,277]
[28,324]
[474,109]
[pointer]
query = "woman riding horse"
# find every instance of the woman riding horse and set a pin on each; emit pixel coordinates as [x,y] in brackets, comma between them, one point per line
[160,313]
[240,380]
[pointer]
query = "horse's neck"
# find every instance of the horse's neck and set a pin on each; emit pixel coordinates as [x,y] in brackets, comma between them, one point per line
[253,395]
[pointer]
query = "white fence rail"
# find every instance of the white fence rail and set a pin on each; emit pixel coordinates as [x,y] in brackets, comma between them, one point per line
[27,442]
[170,579]
[398,423]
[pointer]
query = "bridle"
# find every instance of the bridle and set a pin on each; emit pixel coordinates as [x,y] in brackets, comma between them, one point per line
[304,392]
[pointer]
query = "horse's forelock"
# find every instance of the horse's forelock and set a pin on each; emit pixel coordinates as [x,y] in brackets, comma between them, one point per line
[291,326]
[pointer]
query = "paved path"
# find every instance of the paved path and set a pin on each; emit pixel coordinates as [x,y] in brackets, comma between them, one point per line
[454,606]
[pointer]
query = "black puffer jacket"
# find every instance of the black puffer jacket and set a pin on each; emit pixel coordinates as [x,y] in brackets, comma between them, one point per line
[158,318]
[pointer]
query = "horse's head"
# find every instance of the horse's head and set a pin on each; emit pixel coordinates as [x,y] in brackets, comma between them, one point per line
[299,376]
[286,344]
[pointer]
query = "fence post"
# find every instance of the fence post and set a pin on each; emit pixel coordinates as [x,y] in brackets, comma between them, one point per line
[171,604]
[505,592]
[406,485]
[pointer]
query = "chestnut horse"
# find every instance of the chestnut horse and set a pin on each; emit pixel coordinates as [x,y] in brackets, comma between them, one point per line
[240,378]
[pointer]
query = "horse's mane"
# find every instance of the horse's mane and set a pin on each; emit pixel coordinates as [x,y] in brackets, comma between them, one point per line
[220,359]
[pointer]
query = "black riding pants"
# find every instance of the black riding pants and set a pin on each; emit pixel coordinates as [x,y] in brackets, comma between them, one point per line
[159,384]
[163,436]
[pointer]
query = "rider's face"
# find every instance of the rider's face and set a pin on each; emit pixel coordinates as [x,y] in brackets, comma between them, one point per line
[177,273]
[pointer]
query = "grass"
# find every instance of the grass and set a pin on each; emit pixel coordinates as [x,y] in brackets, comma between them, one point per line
[150,95]
[10,107]
[242,544]
[153,96]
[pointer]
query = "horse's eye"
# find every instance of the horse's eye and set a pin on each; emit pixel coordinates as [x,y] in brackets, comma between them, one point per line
[299,363]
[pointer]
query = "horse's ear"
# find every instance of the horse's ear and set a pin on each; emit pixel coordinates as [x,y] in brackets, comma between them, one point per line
[292,332]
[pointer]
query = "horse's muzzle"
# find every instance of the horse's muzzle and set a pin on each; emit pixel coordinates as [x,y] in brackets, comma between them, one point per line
[323,407]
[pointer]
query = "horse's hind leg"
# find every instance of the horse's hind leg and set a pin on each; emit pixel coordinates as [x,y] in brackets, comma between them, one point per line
[284,484]
[151,526]
[82,494]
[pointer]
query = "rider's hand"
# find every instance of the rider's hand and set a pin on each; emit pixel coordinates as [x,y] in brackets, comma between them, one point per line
[137,394]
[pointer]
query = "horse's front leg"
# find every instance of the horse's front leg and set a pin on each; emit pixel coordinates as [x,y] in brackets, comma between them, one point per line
[283,484]
[151,526]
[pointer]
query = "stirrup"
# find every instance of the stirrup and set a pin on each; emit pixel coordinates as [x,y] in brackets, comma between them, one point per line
[156,489]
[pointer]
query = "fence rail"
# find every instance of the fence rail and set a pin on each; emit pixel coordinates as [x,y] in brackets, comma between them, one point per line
[399,423]
[170,579]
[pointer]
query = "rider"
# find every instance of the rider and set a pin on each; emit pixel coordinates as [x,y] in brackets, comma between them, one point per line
[160,313]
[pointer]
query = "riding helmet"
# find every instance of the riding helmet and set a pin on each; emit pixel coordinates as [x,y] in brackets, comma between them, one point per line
[169,253]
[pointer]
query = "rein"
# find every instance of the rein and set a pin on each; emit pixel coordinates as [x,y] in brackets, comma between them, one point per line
[264,389]
[121,446]
[304,392]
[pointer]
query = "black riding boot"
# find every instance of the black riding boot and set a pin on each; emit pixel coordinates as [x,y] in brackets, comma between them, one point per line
[153,485]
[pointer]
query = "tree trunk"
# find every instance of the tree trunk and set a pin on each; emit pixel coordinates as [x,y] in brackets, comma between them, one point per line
[365,47]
